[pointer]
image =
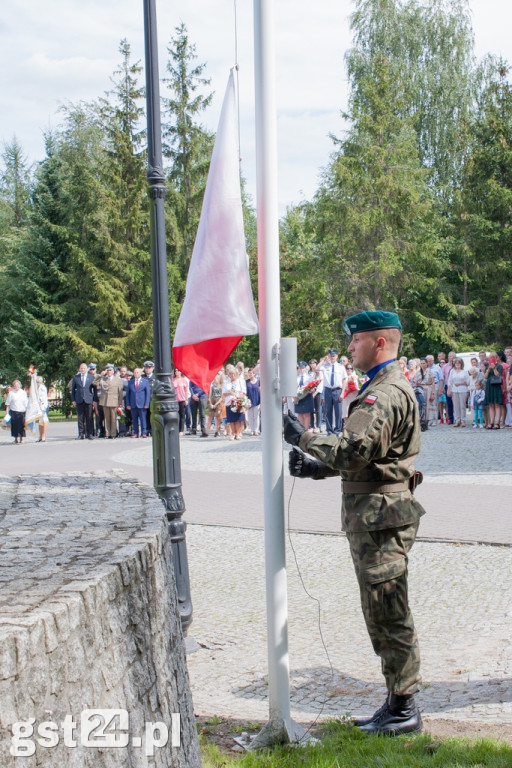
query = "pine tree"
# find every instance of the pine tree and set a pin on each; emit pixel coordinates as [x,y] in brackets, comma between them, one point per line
[429,49]
[124,177]
[486,214]
[32,291]
[187,145]
[375,215]
[15,185]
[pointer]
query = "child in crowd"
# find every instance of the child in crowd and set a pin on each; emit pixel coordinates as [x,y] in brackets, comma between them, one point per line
[476,402]
[443,413]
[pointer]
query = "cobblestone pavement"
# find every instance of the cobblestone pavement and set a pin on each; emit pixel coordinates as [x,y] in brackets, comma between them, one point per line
[461,593]
[463,621]
[447,455]
[49,536]
[461,603]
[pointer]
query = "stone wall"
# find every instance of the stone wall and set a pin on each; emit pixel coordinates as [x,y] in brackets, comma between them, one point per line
[89,620]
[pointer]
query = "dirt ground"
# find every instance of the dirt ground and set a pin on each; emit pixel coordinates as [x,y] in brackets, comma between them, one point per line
[223,732]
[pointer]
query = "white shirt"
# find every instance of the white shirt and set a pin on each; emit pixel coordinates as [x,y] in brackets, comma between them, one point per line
[458,381]
[231,386]
[340,374]
[306,378]
[17,400]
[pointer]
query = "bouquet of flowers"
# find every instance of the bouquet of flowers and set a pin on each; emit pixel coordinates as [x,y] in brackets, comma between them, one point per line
[121,413]
[239,403]
[307,389]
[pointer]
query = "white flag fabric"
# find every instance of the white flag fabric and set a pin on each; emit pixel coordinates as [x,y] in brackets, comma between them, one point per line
[34,411]
[218,310]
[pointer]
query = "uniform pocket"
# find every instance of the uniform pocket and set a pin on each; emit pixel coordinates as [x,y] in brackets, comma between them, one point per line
[386,590]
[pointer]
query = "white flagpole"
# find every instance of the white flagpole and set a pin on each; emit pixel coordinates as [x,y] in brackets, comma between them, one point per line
[280,728]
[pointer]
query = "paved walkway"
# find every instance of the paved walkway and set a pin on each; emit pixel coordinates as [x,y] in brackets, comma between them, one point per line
[461,592]
[466,491]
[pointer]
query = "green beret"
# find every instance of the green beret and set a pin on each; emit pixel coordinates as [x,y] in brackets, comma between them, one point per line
[371,321]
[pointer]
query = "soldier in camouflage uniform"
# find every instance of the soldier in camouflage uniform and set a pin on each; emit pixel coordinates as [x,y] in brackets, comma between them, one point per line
[375,457]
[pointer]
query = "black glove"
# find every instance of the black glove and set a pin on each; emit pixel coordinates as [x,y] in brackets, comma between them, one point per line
[301,465]
[293,429]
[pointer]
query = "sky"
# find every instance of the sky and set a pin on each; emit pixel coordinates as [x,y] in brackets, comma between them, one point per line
[54,52]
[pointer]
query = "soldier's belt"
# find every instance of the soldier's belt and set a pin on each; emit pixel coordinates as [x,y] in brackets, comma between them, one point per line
[352,486]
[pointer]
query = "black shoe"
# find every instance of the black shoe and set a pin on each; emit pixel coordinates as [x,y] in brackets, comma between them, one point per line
[204,434]
[80,437]
[359,721]
[400,715]
[191,433]
[90,437]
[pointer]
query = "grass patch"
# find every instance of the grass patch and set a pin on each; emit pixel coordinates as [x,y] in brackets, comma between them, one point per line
[57,415]
[343,746]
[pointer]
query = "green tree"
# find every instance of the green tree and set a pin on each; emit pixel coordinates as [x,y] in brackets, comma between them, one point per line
[429,49]
[375,216]
[187,145]
[486,214]
[305,306]
[124,178]
[31,314]
[15,185]
[384,218]
[67,295]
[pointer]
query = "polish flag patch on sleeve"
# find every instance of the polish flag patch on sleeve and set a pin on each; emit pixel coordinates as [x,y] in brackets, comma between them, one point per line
[371,399]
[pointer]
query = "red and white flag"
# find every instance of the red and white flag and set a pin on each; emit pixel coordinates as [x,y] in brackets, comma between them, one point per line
[218,310]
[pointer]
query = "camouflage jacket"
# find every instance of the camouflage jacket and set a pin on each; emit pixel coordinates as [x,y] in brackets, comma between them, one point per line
[379,442]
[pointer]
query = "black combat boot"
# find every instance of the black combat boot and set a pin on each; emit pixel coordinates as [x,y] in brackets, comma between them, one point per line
[400,715]
[359,721]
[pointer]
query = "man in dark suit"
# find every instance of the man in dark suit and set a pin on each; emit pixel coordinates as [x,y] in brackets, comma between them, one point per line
[197,404]
[138,397]
[82,395]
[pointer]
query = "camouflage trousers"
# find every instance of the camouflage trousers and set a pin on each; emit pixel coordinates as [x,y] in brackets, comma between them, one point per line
[380,561]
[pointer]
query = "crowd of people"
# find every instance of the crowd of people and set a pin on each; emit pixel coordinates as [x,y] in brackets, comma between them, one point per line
[109,404]
[445,390]
[26,407]
[232,405]
[116,401]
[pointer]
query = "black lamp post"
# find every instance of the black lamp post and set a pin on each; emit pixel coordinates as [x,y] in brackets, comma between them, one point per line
[164,407]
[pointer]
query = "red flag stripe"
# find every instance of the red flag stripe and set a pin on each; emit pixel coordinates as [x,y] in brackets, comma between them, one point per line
[202,361]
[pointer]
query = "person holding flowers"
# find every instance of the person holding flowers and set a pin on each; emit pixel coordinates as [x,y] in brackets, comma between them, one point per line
[352,389]
[235,401]
[304,402]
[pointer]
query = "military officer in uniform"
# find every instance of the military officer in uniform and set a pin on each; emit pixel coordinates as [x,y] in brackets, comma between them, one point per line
[374,455]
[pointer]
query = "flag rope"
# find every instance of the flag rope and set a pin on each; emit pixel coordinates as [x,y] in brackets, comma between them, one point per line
[237,92]
[319,608]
